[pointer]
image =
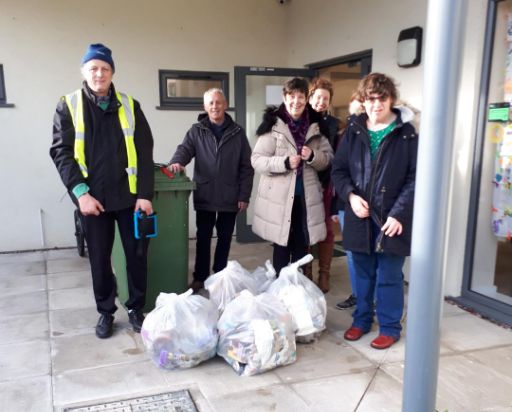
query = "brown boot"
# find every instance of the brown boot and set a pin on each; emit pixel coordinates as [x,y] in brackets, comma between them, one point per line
[307,269]
[325,250]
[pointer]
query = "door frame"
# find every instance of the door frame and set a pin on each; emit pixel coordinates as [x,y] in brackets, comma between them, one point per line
[365,57]
[484,305]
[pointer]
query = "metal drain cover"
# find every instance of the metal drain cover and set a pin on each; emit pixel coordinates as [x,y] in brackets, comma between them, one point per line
[179,401]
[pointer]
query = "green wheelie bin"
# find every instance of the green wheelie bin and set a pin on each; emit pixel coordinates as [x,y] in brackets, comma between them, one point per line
[168,251]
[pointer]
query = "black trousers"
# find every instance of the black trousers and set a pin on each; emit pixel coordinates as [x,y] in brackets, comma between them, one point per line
[298,238]
[224,223]
[99,234]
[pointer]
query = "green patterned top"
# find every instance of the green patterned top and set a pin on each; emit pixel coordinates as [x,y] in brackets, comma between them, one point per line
[377,137]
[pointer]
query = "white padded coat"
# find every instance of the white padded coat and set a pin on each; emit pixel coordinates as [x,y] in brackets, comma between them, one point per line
[276,190]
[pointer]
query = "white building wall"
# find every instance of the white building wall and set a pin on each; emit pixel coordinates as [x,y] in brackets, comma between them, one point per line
[41,44]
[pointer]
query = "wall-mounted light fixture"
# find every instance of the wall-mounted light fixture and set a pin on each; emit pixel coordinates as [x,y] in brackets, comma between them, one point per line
[409,47]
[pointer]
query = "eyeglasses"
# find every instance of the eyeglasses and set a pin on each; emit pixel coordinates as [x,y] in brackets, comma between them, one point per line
[372,99]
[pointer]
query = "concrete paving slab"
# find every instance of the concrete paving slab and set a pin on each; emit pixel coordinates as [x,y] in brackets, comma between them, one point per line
[11,284]
[337,393]
[450,309]
[384,394]
[23,360]
[17,268]
[72,298]
[466,384]
[98,384]
[338,320]
[73,321]
[499,359]
[20,257]
[394,354]
[66,253]
[69,280]
[216,378]
[87,351]
[328,356]
[459,333]
[24,327]
[27,395]
[278,398]
[25,303]
[67,265]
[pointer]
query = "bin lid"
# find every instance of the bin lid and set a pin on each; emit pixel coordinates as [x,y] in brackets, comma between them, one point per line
[178,181]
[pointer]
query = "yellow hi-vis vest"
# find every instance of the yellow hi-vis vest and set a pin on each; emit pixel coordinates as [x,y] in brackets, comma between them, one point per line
[126,111]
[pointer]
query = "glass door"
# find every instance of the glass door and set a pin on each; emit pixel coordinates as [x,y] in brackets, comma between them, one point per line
[256,88]
[487,282]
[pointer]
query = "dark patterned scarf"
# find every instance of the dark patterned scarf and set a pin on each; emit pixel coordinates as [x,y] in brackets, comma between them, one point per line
[298,129]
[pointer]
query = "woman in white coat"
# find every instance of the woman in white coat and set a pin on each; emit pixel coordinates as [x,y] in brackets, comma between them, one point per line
[289,153]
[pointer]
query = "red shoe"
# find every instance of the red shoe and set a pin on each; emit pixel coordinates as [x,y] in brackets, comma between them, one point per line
[353,333]
[383,342]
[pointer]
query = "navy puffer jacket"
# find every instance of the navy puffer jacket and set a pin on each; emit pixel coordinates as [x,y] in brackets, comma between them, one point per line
[386,183]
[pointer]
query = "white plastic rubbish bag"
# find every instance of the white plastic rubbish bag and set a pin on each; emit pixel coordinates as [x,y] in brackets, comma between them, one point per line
[181,331]
[256,334]
[223,286]
[264,276]
[303,299]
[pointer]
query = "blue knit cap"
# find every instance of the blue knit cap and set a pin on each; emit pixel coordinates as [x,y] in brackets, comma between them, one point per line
[99,51]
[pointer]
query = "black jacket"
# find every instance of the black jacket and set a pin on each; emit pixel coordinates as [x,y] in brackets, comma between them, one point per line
[329,127]
[105,153]
[387,184]
[222,169]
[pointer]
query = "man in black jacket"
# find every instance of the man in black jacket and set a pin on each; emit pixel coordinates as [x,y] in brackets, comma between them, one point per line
[223,176]
[103,150]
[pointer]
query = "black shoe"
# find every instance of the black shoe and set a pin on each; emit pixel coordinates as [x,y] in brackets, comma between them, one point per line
[136,318]
[105,326]
[196,285]
[348,303]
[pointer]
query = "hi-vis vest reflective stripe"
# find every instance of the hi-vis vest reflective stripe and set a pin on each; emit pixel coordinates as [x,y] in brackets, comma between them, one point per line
[126,112]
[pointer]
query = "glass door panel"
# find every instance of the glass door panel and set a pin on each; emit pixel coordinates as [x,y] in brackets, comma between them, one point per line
[491,274]
[256,88]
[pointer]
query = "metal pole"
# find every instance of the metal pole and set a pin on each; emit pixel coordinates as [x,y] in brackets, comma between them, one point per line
[444,34]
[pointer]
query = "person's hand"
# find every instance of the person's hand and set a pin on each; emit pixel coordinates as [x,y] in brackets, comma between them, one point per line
[89,205]
[176,167]
[145,205]
[359,206]
[242,206]
[335,218]
[392,227]
[295,161]
[305,153]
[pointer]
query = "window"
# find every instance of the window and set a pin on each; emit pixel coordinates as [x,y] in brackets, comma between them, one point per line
[183,90]
[3,98]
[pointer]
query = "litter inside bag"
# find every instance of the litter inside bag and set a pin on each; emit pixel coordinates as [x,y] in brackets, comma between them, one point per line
[303,299]
[256,334]
[181,331]
[224,285]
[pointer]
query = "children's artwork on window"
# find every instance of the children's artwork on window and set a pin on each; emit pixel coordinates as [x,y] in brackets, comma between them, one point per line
[502,190]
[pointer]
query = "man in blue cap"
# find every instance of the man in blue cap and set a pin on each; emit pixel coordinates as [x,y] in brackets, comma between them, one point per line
[103,150]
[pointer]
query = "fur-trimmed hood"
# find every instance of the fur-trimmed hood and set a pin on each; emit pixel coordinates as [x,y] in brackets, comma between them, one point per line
[271,114]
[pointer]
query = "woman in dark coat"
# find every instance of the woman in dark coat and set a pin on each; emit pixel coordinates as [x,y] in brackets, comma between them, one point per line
[374,172]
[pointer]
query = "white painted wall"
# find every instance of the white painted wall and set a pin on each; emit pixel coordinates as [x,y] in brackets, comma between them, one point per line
[338,28]
[41,44]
